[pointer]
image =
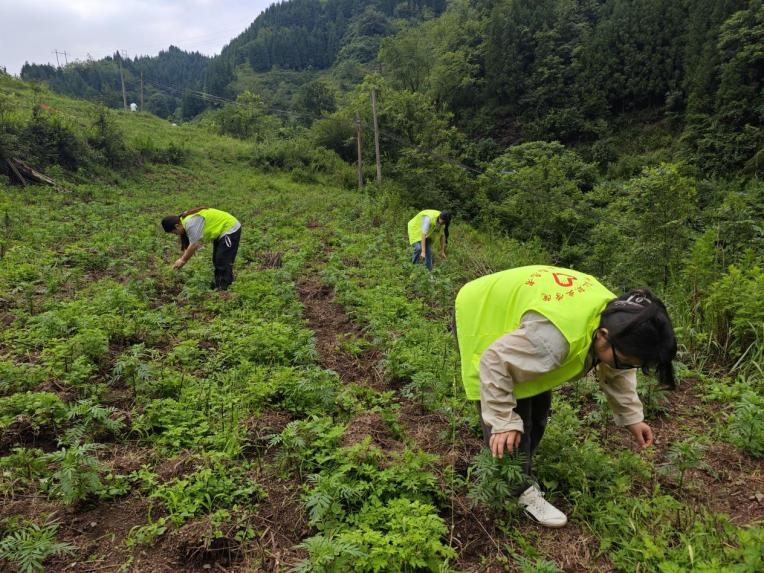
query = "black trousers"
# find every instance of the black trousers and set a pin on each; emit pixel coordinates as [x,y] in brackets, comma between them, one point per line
[534,412]
[224,252]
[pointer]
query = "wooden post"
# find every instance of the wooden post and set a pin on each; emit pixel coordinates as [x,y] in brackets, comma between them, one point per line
[141,90]
[376,134]
[358,140]
[122,79]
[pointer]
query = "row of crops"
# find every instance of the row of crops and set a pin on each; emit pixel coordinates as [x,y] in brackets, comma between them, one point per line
[311,418]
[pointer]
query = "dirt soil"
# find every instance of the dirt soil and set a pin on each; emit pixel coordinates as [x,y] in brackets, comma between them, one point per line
[475,534]
[331,325]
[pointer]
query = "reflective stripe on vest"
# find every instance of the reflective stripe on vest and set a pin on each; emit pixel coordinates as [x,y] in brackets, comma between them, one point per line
[493,305]
[415,226]
[216,222]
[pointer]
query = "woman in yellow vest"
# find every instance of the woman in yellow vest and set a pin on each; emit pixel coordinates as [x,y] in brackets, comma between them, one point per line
[423,229]
[524,331]
[203,225]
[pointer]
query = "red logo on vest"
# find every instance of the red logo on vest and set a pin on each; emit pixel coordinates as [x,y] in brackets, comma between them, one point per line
[564,280]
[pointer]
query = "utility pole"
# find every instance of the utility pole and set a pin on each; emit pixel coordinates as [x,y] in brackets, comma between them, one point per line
[58,64]
[141,90]
[66,60]
[122,79]
[358,140]
[376,134]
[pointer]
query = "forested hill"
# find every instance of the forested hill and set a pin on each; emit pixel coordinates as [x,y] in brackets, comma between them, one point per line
[167,76]
[292,35]
[302,34]
[503,71]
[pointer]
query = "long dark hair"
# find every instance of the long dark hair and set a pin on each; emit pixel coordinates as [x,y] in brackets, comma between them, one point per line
[446,217]
[171,221]
[638,324]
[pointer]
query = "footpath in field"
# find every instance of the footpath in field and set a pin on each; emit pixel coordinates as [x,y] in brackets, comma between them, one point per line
[479,543]
[310,416]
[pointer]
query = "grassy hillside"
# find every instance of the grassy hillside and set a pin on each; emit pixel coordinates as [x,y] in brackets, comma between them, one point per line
[312,417]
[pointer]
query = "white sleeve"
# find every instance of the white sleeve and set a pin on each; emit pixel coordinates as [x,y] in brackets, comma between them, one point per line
[533,349]
[194,227]
[620,388]
[425,225]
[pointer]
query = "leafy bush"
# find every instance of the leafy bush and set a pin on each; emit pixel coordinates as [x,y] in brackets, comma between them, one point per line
[206,490]
[29,546]
[536,189]
[397,536]
[19,377]
[247,118]
[684,456]
[265,342]
[51,142]
[174,425]
[172,154]
[745,428]
[88,420]
[306,444]
[291,154]
[21,469]
[76,473]
[736,310]
[496,480]
[38,408]
[109,142]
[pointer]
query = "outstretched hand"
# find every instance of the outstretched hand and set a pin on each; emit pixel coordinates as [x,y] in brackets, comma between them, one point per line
[642,433]
[178,264]
[509,440]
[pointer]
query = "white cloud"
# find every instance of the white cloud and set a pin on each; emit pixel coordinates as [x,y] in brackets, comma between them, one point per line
[33,29]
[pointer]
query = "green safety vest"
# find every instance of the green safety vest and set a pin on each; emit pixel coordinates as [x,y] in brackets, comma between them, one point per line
[216,222]
[415,226]
[493,305]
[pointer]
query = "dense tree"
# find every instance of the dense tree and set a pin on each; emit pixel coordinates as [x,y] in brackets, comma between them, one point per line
[166,77]
[316,98]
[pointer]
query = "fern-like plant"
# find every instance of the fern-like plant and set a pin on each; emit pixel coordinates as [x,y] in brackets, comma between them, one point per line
[682,457]
[746,430]
[88,419]
[28,547]
[77,473]
[495,479]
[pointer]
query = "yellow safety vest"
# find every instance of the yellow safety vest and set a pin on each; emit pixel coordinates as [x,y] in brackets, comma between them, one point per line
[216,222]
[415,226]
[493,305]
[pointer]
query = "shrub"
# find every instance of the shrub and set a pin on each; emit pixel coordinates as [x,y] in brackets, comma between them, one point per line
[107,139]
[38,408]
[172,154]
[19,377]
[206,490]
[51,142]
[29,546]
[496,480]
[397,536]
[76,475]
[745,427]
[736,309]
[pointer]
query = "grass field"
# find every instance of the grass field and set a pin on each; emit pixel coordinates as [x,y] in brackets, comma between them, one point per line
[312,417]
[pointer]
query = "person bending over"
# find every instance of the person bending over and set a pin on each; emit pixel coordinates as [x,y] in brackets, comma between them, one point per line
[203,225]
[524,331]
[423,229]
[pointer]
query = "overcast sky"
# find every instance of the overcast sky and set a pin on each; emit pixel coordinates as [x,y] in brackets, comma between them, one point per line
[30,30]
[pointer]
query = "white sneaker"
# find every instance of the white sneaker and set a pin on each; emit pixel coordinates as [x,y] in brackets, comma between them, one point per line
[533,502]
